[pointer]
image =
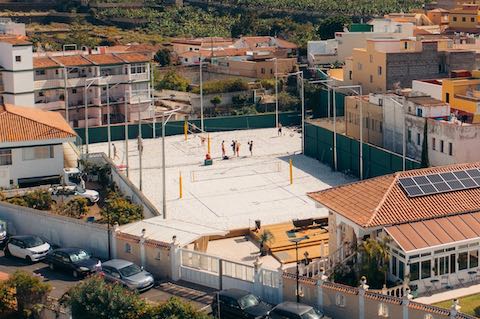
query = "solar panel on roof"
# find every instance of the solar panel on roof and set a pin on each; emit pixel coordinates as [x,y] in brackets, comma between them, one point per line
[440,183]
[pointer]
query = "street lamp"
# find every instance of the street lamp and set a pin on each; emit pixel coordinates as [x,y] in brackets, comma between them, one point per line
[109,128]
[201,94]
[276,92]
[164,195]
[404,146]
[297,241]
[106,202]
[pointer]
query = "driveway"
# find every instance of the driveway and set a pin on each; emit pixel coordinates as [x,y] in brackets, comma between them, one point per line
[200,297]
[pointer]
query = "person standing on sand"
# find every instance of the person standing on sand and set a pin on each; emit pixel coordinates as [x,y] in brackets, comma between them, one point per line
[279,129]
[250,147]
[234,148]
[237,145]
[223,149]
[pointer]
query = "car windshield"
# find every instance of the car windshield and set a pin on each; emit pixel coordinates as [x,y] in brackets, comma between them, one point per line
[130,270]
[79,255]
[248,301]
[312,314]
[80,190]
[2,228]
[32,241]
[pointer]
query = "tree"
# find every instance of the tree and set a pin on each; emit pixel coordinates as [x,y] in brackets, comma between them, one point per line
[93,298]
[175,309]
[22,295]
[216,100]
[265,238]
[172,81]
[76,208]
[425,161]
[287,101]
[118,210]
[332,24]
[163,57]
[246,25]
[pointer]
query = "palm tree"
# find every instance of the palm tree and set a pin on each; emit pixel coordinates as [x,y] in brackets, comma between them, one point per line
[265,238]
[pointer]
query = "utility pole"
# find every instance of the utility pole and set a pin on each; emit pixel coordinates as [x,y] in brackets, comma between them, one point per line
[276,93]
[201,94]
[164,190]
[126,135]
[140,149]
[302,92]
[109,133]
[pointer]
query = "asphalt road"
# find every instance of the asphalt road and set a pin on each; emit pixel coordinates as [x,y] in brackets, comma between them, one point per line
[200,297]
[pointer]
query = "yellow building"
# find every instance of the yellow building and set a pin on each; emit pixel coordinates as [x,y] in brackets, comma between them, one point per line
[465,18]
[463,95]
[372,114]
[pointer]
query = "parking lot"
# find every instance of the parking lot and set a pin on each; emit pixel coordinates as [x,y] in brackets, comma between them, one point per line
[200,297]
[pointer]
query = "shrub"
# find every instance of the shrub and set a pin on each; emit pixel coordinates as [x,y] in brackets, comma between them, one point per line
[39,199]
[163,57]
[223,86]
[268,84]
[76,208]
[172,81]
[19,201]
[119,210]
[29,295]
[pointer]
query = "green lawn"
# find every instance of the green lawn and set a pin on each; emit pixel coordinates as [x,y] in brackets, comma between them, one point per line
[468,304]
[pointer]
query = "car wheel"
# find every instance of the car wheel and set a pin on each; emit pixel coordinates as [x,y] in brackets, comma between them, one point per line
[7,253]
[28,259]
[75,274]
[51,266]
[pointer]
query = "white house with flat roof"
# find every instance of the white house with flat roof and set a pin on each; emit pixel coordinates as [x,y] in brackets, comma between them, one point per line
[31,145]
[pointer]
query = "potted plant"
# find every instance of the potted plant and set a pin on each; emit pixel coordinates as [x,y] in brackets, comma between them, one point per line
[265,238]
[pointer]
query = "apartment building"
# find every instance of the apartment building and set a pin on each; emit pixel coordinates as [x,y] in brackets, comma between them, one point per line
[465,18]
[462,92]
[372,115]
[71,83]
[386,64]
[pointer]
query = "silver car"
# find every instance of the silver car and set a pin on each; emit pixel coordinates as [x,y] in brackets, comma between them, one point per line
[127,274]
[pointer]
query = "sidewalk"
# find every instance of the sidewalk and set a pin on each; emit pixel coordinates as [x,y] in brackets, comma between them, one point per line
[450,294]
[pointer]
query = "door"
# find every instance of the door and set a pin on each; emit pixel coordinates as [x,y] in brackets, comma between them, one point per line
[64,260]
[17,248]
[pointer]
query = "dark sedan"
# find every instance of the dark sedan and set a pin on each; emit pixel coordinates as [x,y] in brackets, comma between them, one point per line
[74,260]
[237,303]
[293,310]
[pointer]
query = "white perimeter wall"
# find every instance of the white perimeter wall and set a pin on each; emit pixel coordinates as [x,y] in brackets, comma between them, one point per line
[57,230]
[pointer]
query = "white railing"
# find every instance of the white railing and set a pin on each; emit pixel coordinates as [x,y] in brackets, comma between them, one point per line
[139,76]
[200,261]
[238,270]
[48,84]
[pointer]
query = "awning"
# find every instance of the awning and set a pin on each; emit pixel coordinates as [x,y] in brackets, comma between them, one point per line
[436,232]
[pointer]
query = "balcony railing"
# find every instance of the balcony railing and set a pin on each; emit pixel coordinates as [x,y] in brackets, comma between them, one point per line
[80,81]
[50,106]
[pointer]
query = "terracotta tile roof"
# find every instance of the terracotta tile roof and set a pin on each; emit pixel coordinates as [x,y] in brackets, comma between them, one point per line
[133,57]
[428,308]
[72,60]
[285,44]
[381,201]
[43,62]
[434,232]
[19,124]
[104,59]
[340,287]
[15,40]
[383,298]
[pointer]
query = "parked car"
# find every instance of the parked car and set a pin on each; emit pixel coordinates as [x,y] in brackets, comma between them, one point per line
[3,233]
[237,303]
[293,310]
[127,274]
[74,260]
[66,193]
[30,248]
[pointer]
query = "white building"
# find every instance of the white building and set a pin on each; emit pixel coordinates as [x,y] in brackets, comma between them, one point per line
[341,47]
[31,145]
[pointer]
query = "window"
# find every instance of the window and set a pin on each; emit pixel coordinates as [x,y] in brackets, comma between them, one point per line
[382,310]
[18,58]
[472,19]
[426,269]
[442,265]
[447,97]
[418,138]
[40,72]
[379,70]
[414,271]
[271,71]
[138,68]
[263,71]
[159,255]
[359,66]
[419,112]
[405,45]
[38,152]
[5,157]
[452,263]
[350,75]
[463,261]
[401,270]
[128,248]
[380,102]
[455,19]
[371,58]
[409,135]
[340,300]
[394,266]
[381,126]
[441,146]
[371,78]
[464,19]
[434,143]
[473,259]
[74,91]
[450,149]
[41,93]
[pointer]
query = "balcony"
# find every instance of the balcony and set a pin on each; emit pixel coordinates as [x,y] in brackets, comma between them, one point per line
[48,84]
[51,106]
[139,77]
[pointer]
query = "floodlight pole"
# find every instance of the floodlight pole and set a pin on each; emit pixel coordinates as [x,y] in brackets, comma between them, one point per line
[201,95]
[276,93]
[404,144]
[88,83]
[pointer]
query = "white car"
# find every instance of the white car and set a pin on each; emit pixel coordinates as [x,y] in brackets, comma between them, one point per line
[64,193]
[30,248]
